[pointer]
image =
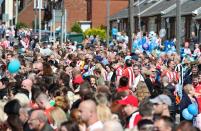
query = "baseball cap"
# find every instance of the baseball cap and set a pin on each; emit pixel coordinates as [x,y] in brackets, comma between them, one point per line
[132,100]
[161,99]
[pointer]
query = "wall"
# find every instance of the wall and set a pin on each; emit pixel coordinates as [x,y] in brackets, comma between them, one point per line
[76,11]
[27,14]
[99,10]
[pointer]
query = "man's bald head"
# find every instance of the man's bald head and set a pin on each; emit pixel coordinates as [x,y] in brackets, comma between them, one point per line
[37,120]
[27,84]
[88,111]
[89,104]
[42,101]
[40,115]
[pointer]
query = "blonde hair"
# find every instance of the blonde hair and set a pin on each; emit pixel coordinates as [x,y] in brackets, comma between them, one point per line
[3,116]
[142,91]
[59,116]
[3,103]
[188,88]
[23,99]
[103,113]
[101,98]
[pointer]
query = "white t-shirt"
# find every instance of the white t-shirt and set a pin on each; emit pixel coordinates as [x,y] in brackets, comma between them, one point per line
[95,126]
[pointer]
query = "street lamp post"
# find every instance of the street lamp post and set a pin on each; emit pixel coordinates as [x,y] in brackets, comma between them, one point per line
[35,16]
[178,34]
[62,22]
[65,22]
[108,22]
[131,23]
[40,6]
[54,25]
[16,12]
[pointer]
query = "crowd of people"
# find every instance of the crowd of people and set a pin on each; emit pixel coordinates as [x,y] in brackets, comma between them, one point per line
[89,86]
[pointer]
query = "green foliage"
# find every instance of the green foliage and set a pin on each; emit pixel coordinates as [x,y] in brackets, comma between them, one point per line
[76,28]
[20,25]
[96,31]
[103,27]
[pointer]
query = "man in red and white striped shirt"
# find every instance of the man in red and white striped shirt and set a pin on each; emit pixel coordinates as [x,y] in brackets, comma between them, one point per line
[172,75]
[128,72]
[130,108]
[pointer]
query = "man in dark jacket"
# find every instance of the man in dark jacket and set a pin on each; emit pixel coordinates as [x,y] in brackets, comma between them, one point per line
[192,71]
[169,89]
[193,41]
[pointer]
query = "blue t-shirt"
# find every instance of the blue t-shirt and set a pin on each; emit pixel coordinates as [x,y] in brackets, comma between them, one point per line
[114,31]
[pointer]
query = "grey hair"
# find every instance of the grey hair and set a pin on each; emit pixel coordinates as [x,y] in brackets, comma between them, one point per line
[41,116]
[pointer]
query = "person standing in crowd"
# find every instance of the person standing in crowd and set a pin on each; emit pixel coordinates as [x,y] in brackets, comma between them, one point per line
[27,85]
[170,72]
[123,85]
[12,109]
[145,125]
[161,105]
[193,41]
[43,103]
[138,76]
[146,110]
[38,121]
[187,50]
[118,71]
[130,108]
[89,115]
[128,72]
[164,123]
[169,89]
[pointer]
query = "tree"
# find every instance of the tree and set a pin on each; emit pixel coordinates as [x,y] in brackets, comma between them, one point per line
[20,25]
[76,28]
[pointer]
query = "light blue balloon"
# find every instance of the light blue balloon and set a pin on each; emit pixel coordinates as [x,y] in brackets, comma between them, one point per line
[14,66]
[186,114]
[193,109]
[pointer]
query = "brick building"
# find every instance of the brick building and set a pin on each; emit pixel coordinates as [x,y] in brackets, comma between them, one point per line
[93,11]
[98,13]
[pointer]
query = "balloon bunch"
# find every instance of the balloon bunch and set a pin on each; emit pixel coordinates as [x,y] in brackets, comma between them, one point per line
[190,112]
[169,46]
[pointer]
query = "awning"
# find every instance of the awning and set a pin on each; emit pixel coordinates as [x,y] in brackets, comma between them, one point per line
[198,17]
[144,5]
[187,8]
[160,9]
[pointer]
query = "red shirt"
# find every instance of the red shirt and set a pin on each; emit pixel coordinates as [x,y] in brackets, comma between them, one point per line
[198,90]
[78,80]
[120,89]
[128,72]
[126,89]
[172,75]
